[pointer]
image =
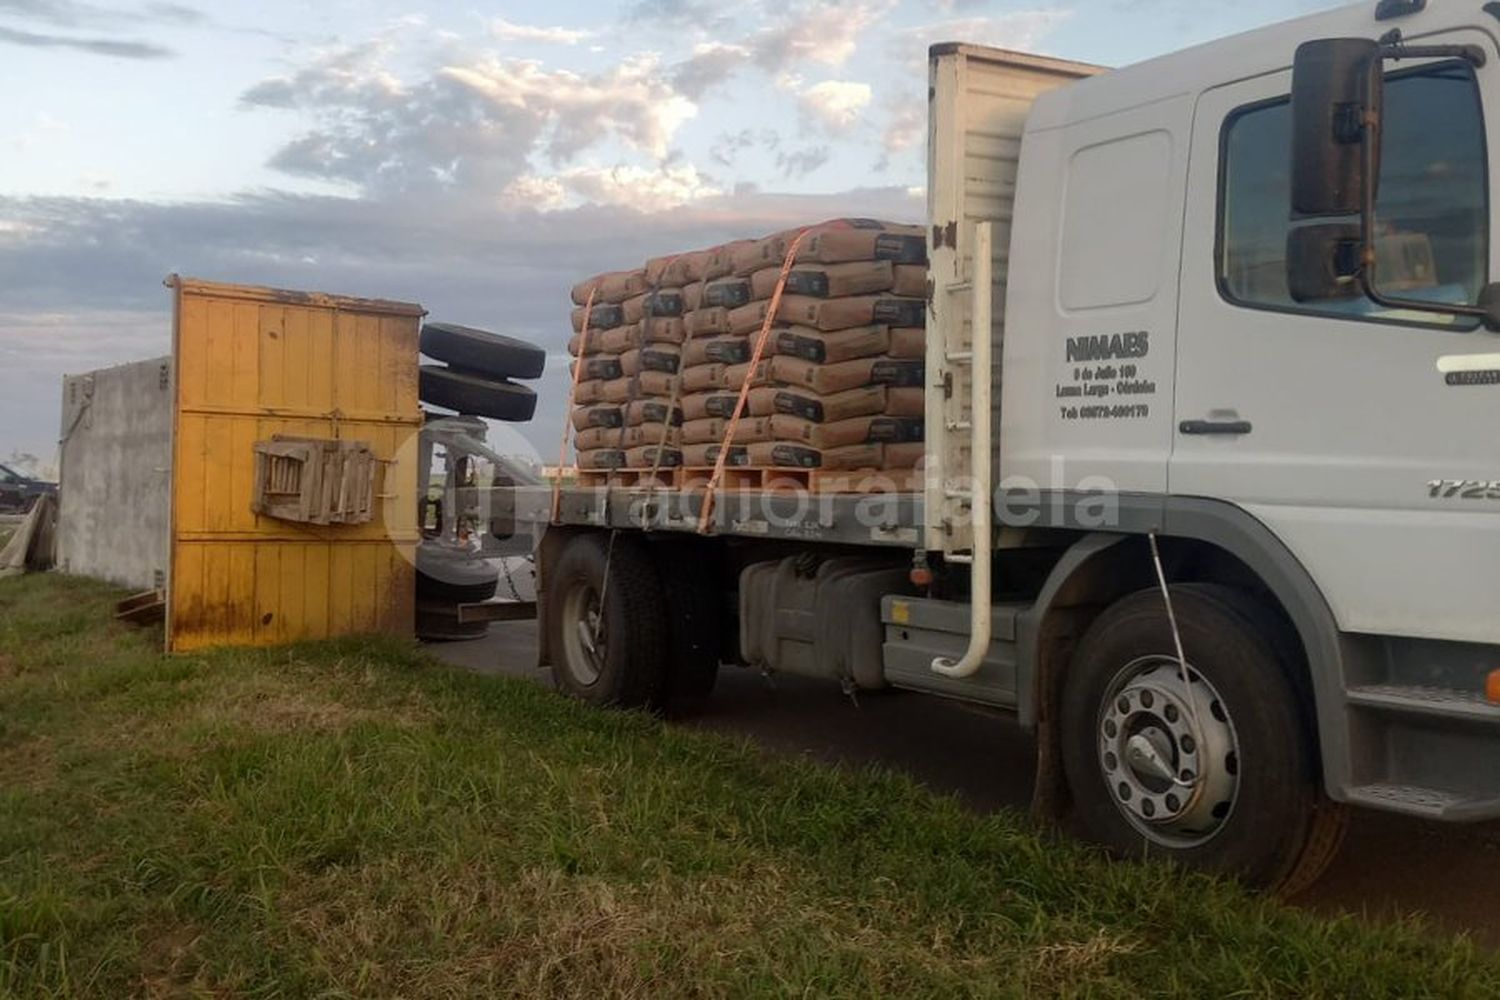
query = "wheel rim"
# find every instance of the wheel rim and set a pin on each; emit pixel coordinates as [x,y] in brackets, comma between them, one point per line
[583,634]
[1168,752]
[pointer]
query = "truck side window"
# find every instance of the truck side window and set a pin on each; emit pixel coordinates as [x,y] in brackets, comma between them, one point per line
[1433,208]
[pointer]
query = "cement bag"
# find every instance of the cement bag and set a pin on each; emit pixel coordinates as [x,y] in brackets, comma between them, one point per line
[711,404]
[721,259]
[905,456]
[829,281]
[840,246]
[599,438]
[612,288]
[661,330]
[818,408]
[652,457]
[615,340]
[692,297]
[598,366]
[654,383]
[589,391]
[647,384]
[781,454]
[908,342]
[661,302]
[842,433]
[906,402]
[909,279]
[586,417]
[727,293]
[735,376]
[707,322]
[656,358]
[713,429]
[863,310]
[701,378]
[829,379]
[602,460]
[697,455]
[645,435]
[724,350]
[602,317]
[825,348]
[677,270]
[652,411]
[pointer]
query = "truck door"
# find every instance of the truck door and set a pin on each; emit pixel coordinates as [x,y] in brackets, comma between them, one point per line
[1339,425]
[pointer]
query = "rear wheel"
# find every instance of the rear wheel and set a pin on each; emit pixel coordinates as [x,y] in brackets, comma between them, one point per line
[607,623]
[1216,770]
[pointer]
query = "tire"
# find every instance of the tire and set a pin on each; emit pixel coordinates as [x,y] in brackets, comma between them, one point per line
[631,669]
[488,354]
[476,395]
[695,615]
[434,589]
[1253,809]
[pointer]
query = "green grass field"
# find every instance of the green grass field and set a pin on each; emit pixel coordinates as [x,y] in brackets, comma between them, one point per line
[351,819]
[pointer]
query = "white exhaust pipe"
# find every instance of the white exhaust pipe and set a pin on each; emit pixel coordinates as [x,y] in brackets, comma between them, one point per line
[982,501]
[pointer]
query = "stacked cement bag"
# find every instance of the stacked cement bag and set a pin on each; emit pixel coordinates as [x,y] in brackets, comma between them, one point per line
[840,383]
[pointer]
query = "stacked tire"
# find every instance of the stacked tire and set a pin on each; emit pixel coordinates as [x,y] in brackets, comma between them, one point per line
[480,375]
[479,372]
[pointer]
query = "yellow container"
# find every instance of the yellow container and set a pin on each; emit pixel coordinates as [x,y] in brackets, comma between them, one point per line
[254,363]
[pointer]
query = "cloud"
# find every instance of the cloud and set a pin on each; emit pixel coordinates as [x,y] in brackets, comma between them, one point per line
[712,63]
[475,126]
[835,104]
[827,34]
[801,162]
[93,46]
[905,128]
[1022,30]
[507,31]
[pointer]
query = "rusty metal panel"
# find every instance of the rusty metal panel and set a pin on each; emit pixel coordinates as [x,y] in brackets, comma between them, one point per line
[254,363]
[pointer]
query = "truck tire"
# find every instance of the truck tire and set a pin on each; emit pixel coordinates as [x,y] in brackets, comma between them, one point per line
[482,353]
[695,615]
[1221,775]
[610,642]
[476,395]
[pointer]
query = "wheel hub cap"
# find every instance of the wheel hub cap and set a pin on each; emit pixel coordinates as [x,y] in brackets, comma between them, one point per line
[1168,753]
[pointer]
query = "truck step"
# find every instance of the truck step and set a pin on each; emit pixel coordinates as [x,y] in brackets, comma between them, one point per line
[1435,703]
[1425,803]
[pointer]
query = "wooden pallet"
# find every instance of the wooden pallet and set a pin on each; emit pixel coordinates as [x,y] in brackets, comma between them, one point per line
[627,479]
[760,479]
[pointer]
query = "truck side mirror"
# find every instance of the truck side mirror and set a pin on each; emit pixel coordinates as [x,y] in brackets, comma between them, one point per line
[1323,262]
[1337,89]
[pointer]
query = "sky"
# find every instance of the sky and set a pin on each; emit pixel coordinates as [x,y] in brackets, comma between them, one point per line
[475,157]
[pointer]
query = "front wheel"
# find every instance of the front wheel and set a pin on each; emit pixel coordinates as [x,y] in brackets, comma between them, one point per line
[1215,769]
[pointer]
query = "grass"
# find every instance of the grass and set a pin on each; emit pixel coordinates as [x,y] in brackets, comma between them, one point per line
[351,819]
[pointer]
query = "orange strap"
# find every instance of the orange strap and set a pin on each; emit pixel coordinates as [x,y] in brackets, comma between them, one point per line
[562,454]
[705,517]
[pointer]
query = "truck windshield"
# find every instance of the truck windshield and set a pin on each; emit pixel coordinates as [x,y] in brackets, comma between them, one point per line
[1433,208]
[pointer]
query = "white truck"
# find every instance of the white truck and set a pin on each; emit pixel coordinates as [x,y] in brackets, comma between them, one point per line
[1241,567]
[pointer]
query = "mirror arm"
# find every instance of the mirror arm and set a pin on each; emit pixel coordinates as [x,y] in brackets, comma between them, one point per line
[1368,257]
[1472,54]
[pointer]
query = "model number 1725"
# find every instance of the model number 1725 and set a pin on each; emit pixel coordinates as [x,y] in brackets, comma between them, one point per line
[1464,489]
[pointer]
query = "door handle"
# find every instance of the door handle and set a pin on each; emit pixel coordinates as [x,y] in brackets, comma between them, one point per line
[1230,427]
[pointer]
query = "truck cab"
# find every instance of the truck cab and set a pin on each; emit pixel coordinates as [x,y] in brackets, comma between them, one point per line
[1214,508]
